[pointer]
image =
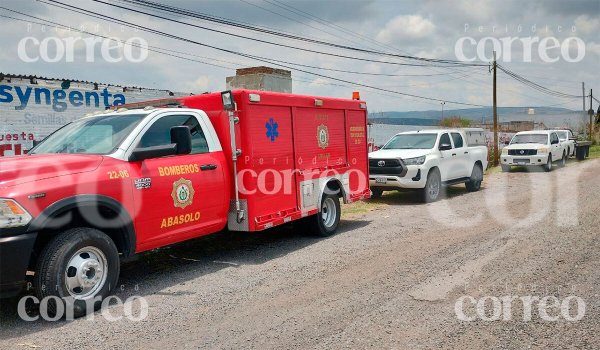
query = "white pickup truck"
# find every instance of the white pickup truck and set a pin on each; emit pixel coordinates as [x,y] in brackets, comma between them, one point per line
[426,160]
[534,148]
[567,140]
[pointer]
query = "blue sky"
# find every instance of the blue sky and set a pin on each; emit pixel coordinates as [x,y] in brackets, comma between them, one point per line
[423,28]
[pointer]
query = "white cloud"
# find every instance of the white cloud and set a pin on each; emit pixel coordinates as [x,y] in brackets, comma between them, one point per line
[593,48]
[198,86]
[406,27]
[587,25]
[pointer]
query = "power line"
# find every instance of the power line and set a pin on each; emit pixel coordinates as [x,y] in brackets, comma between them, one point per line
[193,14]
[149,47]
[266,60]
[334,26]
[536,86]
[165,8]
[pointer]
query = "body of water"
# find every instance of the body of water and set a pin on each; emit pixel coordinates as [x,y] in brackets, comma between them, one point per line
[383,132]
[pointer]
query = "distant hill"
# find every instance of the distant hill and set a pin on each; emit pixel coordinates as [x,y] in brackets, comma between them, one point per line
[551,116]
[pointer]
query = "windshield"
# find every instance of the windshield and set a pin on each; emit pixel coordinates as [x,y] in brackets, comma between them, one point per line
[563,135]
[411,141]
[99,135]
[530,138]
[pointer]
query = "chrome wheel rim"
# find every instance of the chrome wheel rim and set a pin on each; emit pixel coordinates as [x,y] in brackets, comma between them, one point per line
[328,212]
[86,273]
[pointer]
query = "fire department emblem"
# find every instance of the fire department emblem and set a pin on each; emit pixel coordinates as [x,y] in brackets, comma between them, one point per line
[183,193]
[323,136]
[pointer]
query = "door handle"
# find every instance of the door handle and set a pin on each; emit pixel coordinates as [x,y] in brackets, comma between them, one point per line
[453,154]
[466,152]
[208,167]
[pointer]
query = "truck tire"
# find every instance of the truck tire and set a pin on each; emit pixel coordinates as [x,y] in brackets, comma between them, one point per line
[79,265]
[433,187]
[376,193]
[505,168]
[326,222]
[474,184]
[563,161]
[548,166]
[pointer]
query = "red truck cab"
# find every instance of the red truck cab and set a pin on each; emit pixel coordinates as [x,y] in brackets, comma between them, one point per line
[151,174]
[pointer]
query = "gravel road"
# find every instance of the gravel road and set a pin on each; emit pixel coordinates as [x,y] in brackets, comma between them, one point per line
[391,278]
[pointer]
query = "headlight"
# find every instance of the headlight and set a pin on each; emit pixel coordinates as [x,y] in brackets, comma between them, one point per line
[12,214]
[543,150]
[505,151]
[414,161]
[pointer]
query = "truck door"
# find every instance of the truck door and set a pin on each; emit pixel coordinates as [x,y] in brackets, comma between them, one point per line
[463,158]
[556,147]
[178,197]
[447,158]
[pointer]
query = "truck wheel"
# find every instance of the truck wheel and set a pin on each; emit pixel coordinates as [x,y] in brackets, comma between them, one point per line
[376,193]
[433,187]
[326,222]
[505,168]
[474,184]
[80,265]
[563,160]
[548,166]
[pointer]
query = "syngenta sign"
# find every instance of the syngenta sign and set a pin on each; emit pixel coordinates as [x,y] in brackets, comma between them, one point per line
[548,49]
[59,99]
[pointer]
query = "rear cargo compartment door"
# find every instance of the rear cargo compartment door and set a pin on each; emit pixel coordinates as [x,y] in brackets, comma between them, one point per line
[269,178]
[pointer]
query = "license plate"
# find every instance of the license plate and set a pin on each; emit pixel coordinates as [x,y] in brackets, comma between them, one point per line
[522,161]
[380,180]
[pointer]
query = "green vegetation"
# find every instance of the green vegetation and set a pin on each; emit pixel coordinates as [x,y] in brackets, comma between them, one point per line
[595,152]
[455,122]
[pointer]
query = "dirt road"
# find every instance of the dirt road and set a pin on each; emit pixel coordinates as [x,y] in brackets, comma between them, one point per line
[392,278]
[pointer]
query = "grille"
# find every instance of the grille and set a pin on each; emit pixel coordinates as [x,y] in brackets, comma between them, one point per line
[526,152]
[390,167]
[388,162]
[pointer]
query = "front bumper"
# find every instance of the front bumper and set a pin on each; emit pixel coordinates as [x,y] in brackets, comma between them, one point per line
[15,253]
[414,178]
[539,159]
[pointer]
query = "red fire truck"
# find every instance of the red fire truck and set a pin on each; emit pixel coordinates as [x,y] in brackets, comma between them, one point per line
[151,174]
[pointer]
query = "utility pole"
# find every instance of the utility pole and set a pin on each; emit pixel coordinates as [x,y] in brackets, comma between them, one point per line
[495,161]
[591,113]
[443,103]
[584,110]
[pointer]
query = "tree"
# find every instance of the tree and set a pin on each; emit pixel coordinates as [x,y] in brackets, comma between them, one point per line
[455,122]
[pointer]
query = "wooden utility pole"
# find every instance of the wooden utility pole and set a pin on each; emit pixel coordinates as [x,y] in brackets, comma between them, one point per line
[495,161]
[584,110]
[591,113]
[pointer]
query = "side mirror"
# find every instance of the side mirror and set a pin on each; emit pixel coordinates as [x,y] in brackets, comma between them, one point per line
[554,142]
[181,143]
[182,137]
[445,147]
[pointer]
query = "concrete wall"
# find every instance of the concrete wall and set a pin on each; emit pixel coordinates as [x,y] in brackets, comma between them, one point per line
[261,78]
